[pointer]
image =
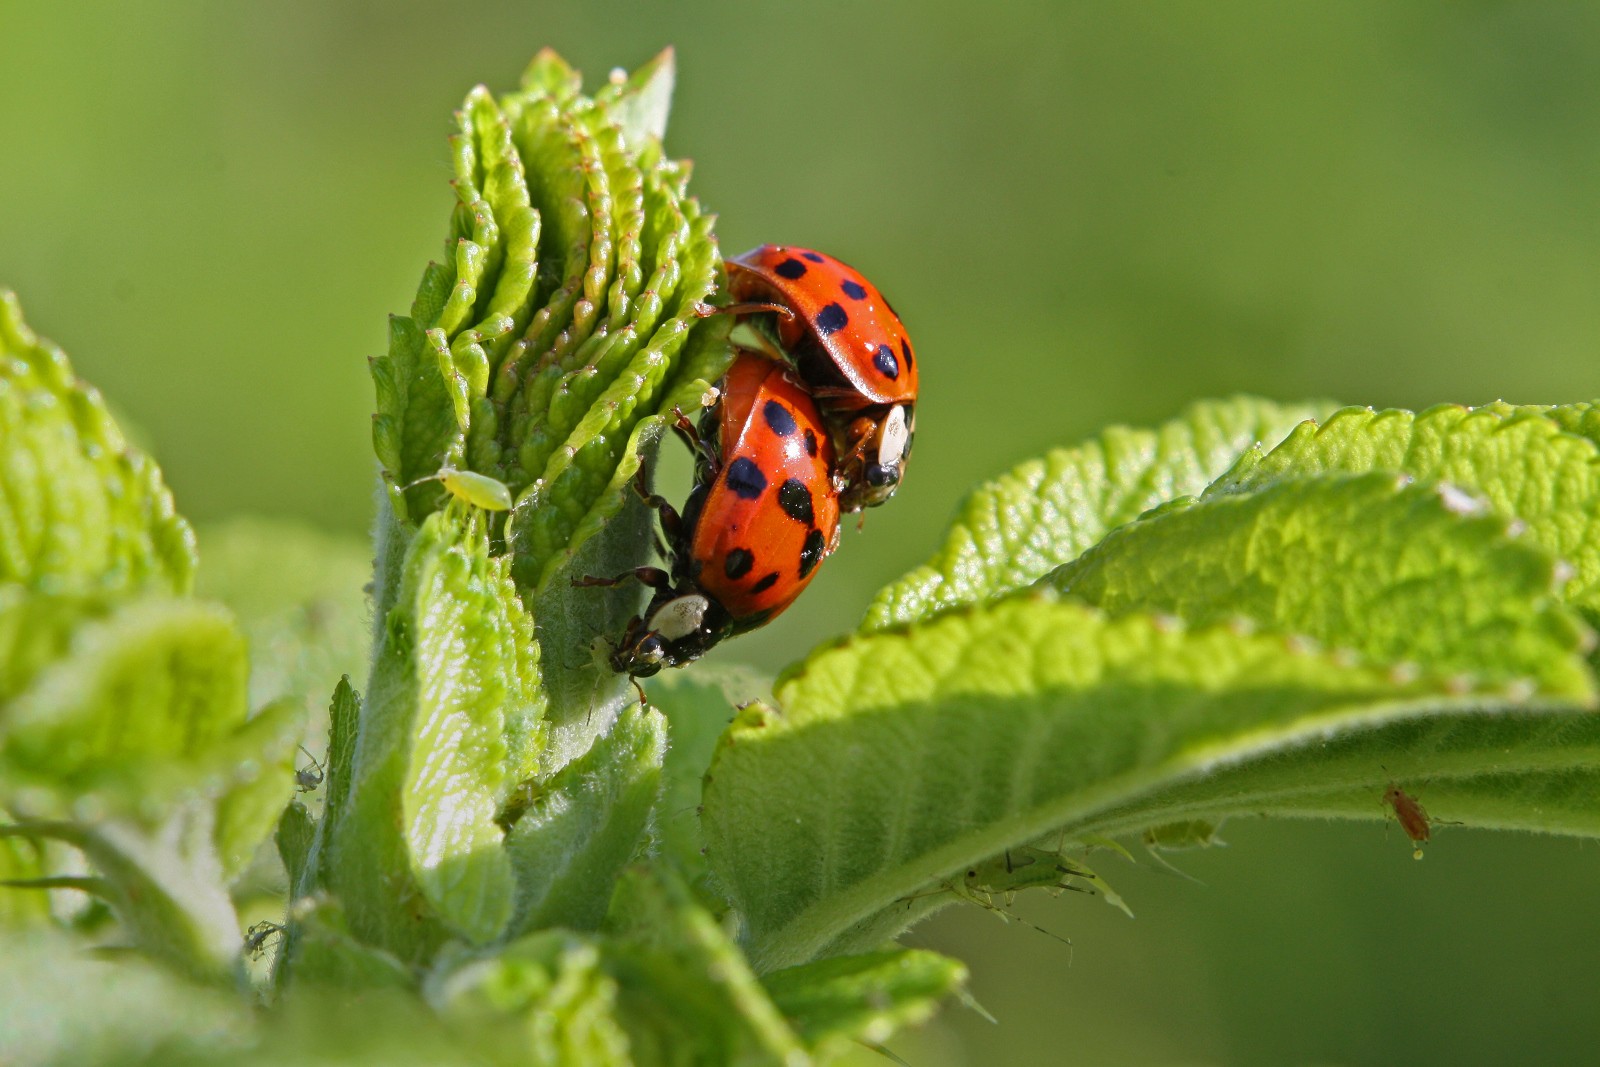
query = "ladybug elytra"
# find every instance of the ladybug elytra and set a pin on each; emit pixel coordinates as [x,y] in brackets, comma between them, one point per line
[763,514]
[851,349]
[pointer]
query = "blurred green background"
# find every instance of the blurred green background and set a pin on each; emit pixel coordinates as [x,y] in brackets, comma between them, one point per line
[1086,213]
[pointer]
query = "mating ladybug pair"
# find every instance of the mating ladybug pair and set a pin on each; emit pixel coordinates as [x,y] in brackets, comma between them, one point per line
[814,417]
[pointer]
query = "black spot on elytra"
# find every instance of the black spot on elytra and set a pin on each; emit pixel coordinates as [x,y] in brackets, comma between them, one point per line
[737,563]
[767,582]
[795,500]
[905,350]
[853,289]
[779,418]
[811,551]
[831,319]
[812,256]
[811,444]
[884,360]
[791,269]
[745,478]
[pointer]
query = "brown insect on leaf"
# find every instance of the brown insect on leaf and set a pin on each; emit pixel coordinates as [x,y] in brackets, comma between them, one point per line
[1413,817]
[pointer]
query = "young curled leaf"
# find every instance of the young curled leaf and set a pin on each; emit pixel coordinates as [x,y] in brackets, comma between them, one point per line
[148,696]
[668,949]
[452,720]
[81,511]
[863,998]
[579,829]
[544,1000]
[542,358]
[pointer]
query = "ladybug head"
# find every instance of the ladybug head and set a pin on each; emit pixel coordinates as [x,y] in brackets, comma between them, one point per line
[677,628]
[882,462]
[640,658]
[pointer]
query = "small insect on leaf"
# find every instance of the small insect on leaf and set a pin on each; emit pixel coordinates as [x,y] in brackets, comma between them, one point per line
[975,887]
[470,487]
[1412,816]
[255,938]
[306,779]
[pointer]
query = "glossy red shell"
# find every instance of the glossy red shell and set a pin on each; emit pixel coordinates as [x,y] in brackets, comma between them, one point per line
[839,310]
[772,514]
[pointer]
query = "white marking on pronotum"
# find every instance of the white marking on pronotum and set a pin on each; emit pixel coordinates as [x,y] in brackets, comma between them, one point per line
[892,437]
[679,617]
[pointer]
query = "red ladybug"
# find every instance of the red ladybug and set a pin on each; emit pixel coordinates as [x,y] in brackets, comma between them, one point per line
[762,516]
[851,349]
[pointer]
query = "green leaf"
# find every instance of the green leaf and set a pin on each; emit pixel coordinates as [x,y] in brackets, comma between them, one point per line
[863,998]
[569,290]
[295,837]
[80,510]
[547,353]
[22,860]
[147,697]
[450,725]
[687,993]
[344,715]
[698,705]
[263,753]
[1519,460]
[545,998]
[1582,419]
[639,102]
[321,954]
[921,753]
[1014,530]
[36,629]
[165,884]
[1393,572]
[581,474]
[585,824]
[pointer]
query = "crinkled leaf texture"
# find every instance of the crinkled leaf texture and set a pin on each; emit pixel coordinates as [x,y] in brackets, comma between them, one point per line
[125,729]
[489,841]
[80,510]
[1014,530]
[1288,642]
[546,352]
[1521,462]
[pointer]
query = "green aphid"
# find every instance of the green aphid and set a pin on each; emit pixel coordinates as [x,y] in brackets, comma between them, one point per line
[1186,834]
[470,487]
[1006,875]
[1029,867]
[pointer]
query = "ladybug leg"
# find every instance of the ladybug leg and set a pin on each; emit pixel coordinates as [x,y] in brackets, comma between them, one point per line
[691,437]
[756,307]
[858,435]
[654,577]
[671,523]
